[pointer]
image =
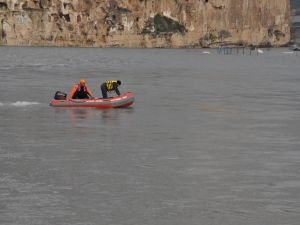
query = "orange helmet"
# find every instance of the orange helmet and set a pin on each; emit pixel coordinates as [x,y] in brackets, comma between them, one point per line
[82,82]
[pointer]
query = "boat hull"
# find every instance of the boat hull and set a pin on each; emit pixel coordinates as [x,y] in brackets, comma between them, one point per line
[122,101]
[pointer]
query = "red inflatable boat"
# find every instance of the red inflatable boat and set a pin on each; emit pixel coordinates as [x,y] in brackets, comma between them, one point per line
[122,101]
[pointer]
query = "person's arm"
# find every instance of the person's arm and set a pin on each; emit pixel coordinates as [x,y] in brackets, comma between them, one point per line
[89,92]
[116,89]
[73,91]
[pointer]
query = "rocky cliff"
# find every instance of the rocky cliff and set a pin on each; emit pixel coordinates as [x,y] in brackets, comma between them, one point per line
[295,25]
[144,23]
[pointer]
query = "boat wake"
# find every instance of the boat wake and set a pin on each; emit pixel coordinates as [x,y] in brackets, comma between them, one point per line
[19,103]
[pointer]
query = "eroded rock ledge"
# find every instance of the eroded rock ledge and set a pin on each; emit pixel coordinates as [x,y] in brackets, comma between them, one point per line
[144,23]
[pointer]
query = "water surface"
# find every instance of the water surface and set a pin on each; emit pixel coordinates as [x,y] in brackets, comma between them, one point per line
[211,139]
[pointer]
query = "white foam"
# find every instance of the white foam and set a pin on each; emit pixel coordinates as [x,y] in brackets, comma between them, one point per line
[23,103]
[205,52]
[260,51]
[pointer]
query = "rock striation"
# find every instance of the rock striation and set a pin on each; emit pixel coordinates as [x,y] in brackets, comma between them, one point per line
[144,23]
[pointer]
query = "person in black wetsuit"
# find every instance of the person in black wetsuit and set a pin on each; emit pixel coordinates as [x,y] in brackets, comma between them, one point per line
[110,85]
[81,91]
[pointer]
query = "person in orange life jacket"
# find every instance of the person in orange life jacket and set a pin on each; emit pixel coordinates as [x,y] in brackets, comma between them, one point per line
[110,85]
[81,91]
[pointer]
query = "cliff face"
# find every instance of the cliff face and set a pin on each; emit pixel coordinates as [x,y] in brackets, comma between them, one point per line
[144,23]
[295,27]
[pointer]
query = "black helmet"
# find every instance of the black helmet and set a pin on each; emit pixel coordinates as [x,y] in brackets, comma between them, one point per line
[119,82]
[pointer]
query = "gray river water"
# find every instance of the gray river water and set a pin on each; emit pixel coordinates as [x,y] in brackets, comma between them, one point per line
[211,139]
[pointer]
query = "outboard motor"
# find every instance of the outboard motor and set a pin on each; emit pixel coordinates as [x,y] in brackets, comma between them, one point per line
[60,95]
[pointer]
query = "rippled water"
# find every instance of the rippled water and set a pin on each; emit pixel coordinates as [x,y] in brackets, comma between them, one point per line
[211,139]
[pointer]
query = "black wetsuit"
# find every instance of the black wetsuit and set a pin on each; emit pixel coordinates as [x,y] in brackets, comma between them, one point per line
[109,86]
[81,94]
